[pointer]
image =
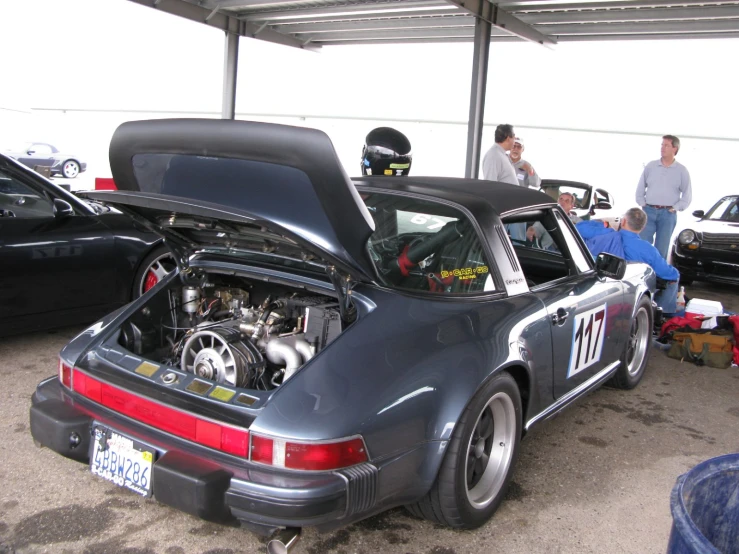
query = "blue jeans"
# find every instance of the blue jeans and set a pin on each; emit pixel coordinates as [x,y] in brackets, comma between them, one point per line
[667,298]
[517,231]
[660,221]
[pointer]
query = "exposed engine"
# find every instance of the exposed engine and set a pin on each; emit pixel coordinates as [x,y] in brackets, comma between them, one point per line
[215,332]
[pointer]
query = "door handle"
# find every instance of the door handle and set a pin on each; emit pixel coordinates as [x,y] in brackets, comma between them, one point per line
[560,317]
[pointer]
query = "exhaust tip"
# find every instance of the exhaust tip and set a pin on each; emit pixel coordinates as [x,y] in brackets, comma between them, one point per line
[283,541]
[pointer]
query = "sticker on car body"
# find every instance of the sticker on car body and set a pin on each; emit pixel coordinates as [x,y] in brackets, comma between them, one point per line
[588,335]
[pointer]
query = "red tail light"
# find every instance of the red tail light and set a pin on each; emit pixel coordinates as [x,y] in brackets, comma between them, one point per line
[177,422]
[324,456]
[65,374]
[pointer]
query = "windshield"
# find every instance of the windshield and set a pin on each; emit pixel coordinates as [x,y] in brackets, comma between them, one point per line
[726,209]
[581,193]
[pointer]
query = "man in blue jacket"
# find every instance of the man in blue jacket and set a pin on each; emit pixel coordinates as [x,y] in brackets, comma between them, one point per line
[627,244]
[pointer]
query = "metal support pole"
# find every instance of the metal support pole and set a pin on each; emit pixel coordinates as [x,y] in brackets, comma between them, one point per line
[230,64]
[477,97]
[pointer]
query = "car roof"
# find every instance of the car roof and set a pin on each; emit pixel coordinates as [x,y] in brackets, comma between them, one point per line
[473,194]
[565,182]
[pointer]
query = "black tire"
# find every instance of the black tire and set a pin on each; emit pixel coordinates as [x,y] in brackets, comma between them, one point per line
[160,263]
[479,460]
[70,169]
[636,350]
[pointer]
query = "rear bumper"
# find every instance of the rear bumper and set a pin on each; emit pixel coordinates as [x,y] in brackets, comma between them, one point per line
[215,486]
[703,268]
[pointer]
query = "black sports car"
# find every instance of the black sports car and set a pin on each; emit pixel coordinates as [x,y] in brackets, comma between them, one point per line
[708,250]
[330,349]
[65,260]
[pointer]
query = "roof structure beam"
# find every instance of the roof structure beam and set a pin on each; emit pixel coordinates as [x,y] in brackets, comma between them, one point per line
[490,12]
[384,34]
[478,90]
[664,36]
[404,23]
[645,28]
[332,11]
[626,15]
[421,40]
[443,11]
[519,6]
[218,20]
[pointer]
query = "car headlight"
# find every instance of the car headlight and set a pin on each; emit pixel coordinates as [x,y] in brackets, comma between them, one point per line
[686,237]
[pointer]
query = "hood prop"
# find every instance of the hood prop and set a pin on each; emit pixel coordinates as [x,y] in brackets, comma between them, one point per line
[344,286]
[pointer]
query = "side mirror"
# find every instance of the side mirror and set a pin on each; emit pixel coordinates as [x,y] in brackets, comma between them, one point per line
[699,213]
[608,265]
[603,205]
[31,152]
[62,208]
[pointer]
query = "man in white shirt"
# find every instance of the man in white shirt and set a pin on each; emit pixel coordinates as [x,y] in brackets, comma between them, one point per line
[525,173]
[496,166]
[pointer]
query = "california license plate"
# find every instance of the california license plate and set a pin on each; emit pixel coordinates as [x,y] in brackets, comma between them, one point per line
[121,460]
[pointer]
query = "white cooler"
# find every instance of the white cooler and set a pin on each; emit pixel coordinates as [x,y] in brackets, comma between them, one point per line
[700,306]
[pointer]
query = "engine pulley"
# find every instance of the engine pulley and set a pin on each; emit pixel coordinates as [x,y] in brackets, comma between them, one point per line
[219,354]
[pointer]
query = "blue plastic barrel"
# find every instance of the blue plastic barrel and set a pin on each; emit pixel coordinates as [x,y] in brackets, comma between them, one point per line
[705,508]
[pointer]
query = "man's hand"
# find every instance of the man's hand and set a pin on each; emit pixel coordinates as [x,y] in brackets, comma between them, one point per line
[530,234]
[526,166]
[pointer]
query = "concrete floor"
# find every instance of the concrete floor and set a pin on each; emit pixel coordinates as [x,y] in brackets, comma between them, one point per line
[595,479]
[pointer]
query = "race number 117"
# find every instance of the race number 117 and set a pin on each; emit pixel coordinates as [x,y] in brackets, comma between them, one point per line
[587,339]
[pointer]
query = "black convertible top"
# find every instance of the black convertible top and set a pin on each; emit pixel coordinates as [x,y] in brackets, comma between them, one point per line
[474,194]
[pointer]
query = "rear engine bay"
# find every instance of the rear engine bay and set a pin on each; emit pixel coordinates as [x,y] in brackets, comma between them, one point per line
[233,330]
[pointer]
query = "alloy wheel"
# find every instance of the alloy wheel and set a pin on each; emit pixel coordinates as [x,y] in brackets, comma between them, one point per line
[490,450]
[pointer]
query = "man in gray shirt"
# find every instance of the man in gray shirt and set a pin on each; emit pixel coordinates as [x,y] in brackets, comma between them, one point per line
[496,166]
[525,173]
[663,190]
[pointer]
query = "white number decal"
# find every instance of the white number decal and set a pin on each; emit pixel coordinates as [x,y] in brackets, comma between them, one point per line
[421,219]
[587,339]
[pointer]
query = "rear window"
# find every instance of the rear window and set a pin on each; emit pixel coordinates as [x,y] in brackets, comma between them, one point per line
[426,246]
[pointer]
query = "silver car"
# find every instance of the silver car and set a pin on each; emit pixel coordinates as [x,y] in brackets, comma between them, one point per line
[42,154]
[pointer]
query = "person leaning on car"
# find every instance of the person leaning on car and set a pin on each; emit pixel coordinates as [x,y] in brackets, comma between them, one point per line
[663,189]
[627,243]
[537,231]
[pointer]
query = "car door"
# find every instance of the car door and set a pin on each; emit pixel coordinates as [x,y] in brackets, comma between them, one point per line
[587,313]
[50,263]
[38,154]
[589,319]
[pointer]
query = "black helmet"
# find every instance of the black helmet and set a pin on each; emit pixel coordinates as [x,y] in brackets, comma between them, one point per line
[386,152]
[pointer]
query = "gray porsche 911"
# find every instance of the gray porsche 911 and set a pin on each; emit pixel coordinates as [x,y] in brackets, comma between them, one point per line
[328,349]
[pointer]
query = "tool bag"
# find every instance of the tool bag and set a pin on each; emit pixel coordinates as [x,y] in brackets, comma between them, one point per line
[711,347]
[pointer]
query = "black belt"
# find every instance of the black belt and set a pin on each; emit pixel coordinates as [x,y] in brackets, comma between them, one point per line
[660,207]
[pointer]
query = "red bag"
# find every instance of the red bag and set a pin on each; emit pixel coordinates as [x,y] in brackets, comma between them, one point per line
[678,322]
[734,320]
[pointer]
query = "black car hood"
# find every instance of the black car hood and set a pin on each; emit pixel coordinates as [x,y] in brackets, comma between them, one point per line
[286,180]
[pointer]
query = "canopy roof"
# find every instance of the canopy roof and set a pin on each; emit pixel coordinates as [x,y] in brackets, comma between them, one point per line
[315,23]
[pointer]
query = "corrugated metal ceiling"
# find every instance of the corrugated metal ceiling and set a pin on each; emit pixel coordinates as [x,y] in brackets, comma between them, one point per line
[316,23]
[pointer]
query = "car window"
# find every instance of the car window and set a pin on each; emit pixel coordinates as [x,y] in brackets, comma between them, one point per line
[426,246]
[550,251]
[727,209]
[41,149]
[582,195]
[19,200]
